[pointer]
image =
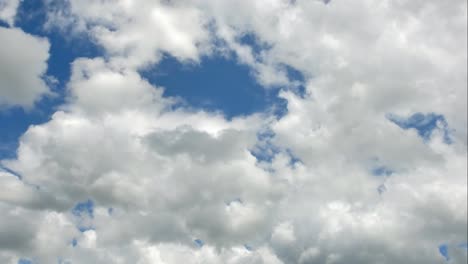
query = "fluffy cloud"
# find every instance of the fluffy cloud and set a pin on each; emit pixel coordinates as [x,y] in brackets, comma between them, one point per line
[137,33]
[8,10]
[147,188]
[343,182]
[23,63]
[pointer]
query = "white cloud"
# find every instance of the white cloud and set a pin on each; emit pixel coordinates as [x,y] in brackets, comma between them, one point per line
[8,10]
[173,176]
[138,33]
[23,63]
[74,157]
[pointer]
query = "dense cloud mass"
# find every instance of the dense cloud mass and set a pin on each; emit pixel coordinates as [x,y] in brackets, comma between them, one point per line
[368,164]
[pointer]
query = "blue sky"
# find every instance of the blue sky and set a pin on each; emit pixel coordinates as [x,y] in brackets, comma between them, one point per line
[222,85]
[295,124]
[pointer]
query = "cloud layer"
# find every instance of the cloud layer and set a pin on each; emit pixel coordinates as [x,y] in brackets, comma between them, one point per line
[121,174]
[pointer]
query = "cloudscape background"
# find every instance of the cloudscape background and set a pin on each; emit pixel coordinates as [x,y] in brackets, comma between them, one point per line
[239,132]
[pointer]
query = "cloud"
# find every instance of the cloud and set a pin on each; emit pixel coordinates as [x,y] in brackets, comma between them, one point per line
[23,64]
[8,10]
[119,174]
[125,28]
[145,189]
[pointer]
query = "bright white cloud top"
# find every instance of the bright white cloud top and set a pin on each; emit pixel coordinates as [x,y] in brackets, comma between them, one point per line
[369,165]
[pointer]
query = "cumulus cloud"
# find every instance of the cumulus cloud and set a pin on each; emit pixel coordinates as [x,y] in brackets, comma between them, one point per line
[23,63]
[343,181]
[147,188]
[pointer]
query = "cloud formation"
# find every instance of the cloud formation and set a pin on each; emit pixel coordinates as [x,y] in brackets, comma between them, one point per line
[23,64]
[120,174]
[8,10]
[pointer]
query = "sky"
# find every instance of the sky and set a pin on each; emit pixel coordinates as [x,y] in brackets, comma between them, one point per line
[238,132]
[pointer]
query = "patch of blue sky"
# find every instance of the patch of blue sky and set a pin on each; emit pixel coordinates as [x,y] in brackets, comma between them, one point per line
[25,261]
[83,209]
[248,247]
[254,43]
[382,171]
[217,84]
[64,49]
[258,47]
[198,242]
[444,251]
[297,79]
[265,134]
[265,150]
[424,124]
[74,242]
[463,245]
[83,228]
[3,23]
[15,121]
